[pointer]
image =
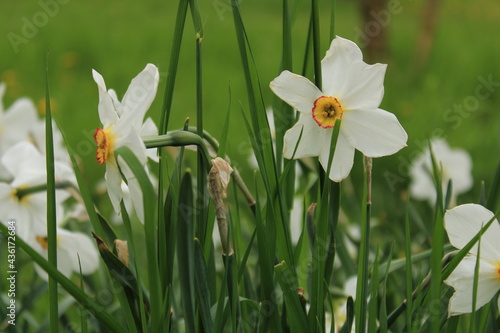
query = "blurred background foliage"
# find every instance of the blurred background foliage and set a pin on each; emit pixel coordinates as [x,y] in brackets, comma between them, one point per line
[118,38]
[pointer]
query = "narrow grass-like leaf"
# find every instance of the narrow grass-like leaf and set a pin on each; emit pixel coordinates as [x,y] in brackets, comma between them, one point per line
[266,257]
[51,206]
[383,305]
[83,312]
[202,198]
[173,65]
[202,290]
[90,304]
[409,272]
[398,264]
[122,275]
[263,147]
[494,192]
[349,320]
[332,19]
[453,324]
[372,305]
[323,244]
[362,283]
[316,43]
[474,287]
[185,250]
[283,113]
[150,229]
[295,313]
[437,245]
[232,289]
[138,298]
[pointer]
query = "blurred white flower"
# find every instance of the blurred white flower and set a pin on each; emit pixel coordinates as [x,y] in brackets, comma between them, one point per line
[15,125]
[455,164]
[352,91]
[37,137]
[29,210]
[73,249]
[462,223]
[122,126]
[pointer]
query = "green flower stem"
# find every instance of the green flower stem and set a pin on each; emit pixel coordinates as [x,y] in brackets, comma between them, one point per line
[179,138]
[189,137]
[22,192]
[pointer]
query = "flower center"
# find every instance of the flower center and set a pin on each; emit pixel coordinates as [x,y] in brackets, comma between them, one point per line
[105,143]
[326,111]
[43,242]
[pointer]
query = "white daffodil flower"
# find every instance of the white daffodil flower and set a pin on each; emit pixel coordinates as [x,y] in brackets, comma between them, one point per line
[29,209]
[462,223]
[15,125]
[455,164]
[73,249]
[352,91]
[122,125]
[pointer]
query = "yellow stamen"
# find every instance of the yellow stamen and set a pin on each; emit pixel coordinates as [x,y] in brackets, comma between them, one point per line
[105,143]
[43,242]
[326,111]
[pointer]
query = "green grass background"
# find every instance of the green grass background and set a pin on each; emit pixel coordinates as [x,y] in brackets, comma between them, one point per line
[118,38]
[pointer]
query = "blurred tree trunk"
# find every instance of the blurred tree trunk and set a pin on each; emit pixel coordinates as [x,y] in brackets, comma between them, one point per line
[376,18]
[427,33]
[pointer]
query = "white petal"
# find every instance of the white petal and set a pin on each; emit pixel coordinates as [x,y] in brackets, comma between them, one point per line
[11,210]
[26,164]
[374,132]
[311,142]
[363,87]
[131,139]
[339,57]
[113,183]
[116,102]
[458,166]
[79,246]
[343,158]
[296,90]
[422,185]
[141,93]
[462,223]
[137,198]
[149,128]
[107,112]
[64,260]
[462,280]
[17,122]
